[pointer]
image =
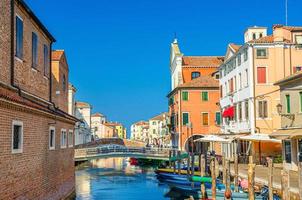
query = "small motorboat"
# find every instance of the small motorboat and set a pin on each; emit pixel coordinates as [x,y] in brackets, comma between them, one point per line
[185,192]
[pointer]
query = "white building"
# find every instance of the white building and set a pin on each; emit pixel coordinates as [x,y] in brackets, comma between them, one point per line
[98,127]
[159,131]
[237,90]
[83,128]
[139,131]
[71,99]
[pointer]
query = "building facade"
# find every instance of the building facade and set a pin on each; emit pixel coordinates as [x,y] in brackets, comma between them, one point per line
[193,100]
[83,133]
[140,132]
[249,96]
[36,135]
[290,110]
[159,131]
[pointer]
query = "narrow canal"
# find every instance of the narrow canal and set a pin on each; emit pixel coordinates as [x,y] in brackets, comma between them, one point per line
[115,178]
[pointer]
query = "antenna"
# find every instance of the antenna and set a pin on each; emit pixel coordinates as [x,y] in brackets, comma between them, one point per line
[286,12]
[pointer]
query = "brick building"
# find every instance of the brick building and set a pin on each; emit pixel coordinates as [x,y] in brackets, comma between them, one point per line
[36,134]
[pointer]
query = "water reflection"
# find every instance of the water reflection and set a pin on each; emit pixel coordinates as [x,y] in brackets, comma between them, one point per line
[115,178]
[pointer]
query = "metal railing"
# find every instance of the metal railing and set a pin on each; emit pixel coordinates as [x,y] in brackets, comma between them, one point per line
[95,151]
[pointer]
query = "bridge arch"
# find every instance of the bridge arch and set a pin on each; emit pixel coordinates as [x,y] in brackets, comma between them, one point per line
[198,147]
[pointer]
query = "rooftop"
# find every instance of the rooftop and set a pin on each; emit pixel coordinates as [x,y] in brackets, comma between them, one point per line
[57,55]
[82,105]
[97,115]
[202,61]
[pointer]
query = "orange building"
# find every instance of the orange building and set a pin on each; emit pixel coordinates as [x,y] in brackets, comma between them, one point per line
[193,101]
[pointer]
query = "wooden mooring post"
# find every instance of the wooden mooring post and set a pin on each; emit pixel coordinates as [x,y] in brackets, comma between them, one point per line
[223,169]
[236,173]
[202,174]
[174,163]
[300,178]
[213,178]
[228,175]
[285,184]
[188,165]
[251,178]
[178,163]
[270,179]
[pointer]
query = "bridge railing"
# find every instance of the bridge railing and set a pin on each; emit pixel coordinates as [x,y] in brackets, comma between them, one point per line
[94,151]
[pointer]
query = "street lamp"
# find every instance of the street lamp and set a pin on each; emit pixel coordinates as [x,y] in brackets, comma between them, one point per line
[279,108]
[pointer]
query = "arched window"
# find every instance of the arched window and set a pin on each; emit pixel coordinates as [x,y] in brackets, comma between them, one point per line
[195,75]
[64,83]
[260,35]
[254,36]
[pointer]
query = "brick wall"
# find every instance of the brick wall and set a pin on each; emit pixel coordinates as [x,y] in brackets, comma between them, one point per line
[5,34]
[26,77]
[37,173]
[59,69]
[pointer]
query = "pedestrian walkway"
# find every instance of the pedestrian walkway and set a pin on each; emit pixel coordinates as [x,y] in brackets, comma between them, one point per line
[261,176]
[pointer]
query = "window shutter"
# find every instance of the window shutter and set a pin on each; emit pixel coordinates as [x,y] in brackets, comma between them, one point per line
[218,118]
[185,119]
[261,75]
[205,119]
[287,103]
[265,109]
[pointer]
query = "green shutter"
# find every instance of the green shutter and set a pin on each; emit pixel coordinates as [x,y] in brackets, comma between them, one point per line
[205,96]
[288,103]
[185,96]
[185,118]
[218,118]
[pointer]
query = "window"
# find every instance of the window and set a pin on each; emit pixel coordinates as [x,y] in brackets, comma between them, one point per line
[261,53]
[70,138]
[205,119]
[235,112]
[204,96]
[185,96]
[297,69]
[287,103]
[52,138]
[235,83]
[262,109]
[299,39]
[246,107]
[240,81]
[287,151]
[245,55]
[17,137]
[261,75]
[46,60]
[218,118]
[254,36]
[185,119]
[240,111]
[300,150]
[171,100]
[19,37]
[195,75]
[217,76]
[34,50]
[63,138]
[231,83]
[247,77]
[260,35]
[239,59]
[64,83]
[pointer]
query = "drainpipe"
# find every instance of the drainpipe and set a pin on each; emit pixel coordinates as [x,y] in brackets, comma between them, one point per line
[50,72]
[12,72]
[179,120]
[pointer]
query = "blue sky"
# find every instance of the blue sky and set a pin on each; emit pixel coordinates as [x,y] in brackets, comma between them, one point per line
[118,50]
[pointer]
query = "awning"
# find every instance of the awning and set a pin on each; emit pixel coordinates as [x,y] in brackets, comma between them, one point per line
[284,134]
[258,138]
[213,138]
[228,112]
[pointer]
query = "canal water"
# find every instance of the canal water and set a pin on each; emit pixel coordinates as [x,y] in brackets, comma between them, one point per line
[115,178]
